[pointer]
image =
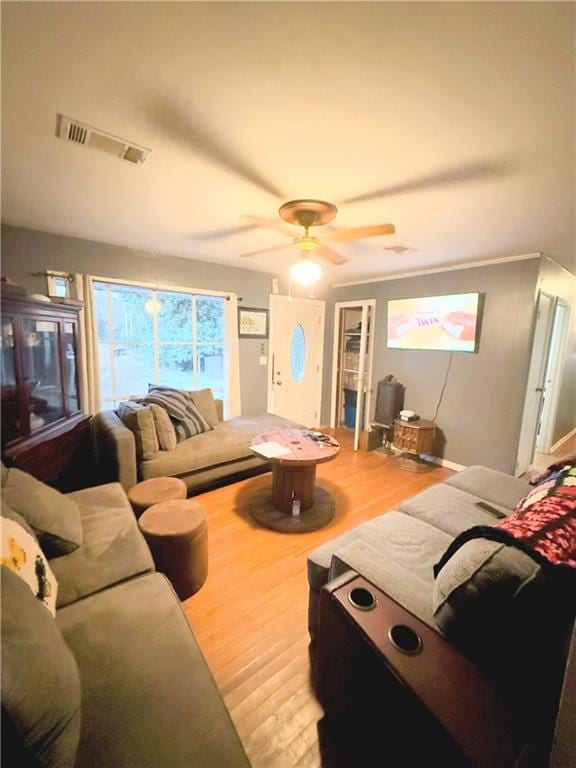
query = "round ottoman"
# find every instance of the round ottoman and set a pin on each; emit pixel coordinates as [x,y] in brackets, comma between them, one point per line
[177,534]
[155,490]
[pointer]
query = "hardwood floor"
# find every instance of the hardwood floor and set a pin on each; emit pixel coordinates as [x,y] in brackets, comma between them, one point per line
[250,617]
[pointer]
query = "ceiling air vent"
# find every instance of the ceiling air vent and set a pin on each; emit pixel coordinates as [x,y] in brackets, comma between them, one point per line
[72,130]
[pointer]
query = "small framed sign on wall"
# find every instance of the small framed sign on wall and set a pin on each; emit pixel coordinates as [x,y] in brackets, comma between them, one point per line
[252,323]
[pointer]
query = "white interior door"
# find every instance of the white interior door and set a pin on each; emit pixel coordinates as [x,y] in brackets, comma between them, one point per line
[553,378]
[535,386]
[295,359]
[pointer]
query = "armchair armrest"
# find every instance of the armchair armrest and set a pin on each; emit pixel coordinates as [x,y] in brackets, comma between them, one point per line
[437,694]
[220,409]
[115,449]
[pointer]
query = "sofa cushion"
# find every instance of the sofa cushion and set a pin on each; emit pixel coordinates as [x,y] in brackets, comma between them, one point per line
[482,589]
[40,683]
[140,421]
[204,401]
[53,516]
[148,696]
[229,441]
[164,428]
[450,509]
[22,555]
[411,543]
[113,548]
[187,419]
[490,485]
[398,558]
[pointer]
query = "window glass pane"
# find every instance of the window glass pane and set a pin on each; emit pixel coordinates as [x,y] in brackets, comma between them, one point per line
[298,354]
[175,316]
[101,311]
[105,370]
[70,383]
[61,286]
[133,369]
[210,366]
[131,320]
[11,426]
[177,365]
[42,372]
[157,337]
[210,319]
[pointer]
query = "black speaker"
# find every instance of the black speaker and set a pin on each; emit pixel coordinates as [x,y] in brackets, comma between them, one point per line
[389,402]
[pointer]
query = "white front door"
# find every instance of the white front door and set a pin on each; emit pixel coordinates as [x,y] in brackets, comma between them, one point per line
[295,359]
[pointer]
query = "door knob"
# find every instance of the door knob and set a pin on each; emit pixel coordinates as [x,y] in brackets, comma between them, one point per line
[279,383]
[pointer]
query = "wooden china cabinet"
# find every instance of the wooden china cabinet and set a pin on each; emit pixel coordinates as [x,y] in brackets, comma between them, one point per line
[44,429]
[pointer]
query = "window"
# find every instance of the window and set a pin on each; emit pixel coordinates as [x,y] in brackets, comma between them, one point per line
[148,336]
[58,284]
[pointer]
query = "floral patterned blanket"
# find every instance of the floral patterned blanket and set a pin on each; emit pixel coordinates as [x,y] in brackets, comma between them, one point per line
[543,524]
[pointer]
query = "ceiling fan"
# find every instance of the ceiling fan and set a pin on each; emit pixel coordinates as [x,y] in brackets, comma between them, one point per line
[314,213]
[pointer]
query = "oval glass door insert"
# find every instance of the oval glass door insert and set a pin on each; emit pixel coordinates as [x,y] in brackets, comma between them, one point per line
[298,354]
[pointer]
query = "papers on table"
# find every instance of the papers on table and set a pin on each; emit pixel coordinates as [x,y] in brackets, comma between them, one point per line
[270,450]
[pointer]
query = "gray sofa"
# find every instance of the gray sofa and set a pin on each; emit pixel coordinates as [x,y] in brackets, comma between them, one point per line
[147,695]
[397,550]
[494,604]
[200,461]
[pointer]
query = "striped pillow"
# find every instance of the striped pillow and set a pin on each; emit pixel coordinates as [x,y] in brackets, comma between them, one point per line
[187,419]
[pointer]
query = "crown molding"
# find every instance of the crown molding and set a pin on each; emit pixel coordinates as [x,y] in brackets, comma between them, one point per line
[435,270]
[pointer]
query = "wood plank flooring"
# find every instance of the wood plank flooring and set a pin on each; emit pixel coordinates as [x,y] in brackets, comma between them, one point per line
[250,617]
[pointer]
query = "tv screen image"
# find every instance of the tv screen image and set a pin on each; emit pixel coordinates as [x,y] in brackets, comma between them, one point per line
[446,323]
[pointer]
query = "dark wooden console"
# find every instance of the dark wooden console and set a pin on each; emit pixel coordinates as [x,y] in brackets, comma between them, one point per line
[428,706]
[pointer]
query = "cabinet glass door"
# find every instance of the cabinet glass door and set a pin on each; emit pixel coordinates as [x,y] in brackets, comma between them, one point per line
[10,399]
[42,376]
[70,373]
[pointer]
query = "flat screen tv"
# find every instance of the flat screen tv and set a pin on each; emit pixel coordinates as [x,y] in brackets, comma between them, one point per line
[449,323]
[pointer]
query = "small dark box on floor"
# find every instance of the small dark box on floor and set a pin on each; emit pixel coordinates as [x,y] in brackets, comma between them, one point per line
[369,441]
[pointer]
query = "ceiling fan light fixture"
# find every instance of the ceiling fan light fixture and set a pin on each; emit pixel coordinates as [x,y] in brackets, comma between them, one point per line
[305,272]
[306,243]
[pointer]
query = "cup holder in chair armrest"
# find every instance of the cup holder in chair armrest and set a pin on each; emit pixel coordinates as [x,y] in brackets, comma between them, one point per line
[362,599]
[405,639]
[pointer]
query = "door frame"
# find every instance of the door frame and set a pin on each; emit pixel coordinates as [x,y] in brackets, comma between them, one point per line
[360,303]
[277,297]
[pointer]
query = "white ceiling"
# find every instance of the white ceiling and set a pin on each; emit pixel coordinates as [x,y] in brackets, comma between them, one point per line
[461,115]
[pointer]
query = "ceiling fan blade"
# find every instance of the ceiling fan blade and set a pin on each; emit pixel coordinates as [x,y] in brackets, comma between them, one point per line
[478,171]
[358,233]
[189,128]
[275,224]
[268,250]
[325,252]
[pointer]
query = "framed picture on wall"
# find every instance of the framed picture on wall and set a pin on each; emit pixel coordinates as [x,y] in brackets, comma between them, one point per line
[252,323]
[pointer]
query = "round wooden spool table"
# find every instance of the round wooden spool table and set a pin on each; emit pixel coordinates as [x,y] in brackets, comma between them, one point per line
[294,478]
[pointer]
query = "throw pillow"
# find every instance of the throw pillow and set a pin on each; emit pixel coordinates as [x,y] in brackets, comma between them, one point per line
[140,420]
[164,428]
[474,590]
[40,682]
[204,400]
[53,516]
[188,421]
[21,554]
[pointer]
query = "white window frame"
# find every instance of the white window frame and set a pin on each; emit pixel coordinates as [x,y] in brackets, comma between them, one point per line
[156,288]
